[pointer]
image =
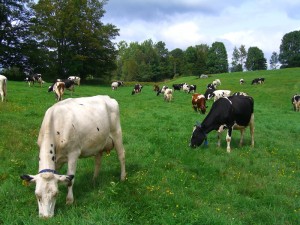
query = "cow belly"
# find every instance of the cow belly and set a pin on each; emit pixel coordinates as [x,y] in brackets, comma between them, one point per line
[238,127]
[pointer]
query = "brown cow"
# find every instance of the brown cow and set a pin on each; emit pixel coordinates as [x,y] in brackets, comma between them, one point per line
[199,103]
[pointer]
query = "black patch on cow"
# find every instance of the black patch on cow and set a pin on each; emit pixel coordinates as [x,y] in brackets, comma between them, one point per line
[53,158]
[58,133]
[51,145]
[98,128]
[51,152]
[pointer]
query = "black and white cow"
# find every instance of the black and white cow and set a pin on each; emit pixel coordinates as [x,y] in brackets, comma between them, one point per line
[137,89]
[258,80]
[192,88]
[116,84]
[34,78]
[69,85]
[162,90]
[296,102]
[177,86]
[234,112]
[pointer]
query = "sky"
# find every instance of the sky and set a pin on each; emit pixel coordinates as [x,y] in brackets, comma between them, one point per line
[184,23]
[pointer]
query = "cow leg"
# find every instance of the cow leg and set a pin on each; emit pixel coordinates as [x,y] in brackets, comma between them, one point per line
[228,139]
[97,165]
[121,153]
[242,137]
[252,130]
[221,129]
[72,159]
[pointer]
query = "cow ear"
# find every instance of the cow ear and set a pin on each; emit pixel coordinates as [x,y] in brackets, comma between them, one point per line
[27,179]
[67,179]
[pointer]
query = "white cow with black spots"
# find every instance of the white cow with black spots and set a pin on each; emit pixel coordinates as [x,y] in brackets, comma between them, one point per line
[74,128]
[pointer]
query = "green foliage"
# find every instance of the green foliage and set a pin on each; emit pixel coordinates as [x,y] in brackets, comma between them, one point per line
[238,58]
[73,31]
[217,61]
[167,183]
[255,59]
[289,55]
[274,60]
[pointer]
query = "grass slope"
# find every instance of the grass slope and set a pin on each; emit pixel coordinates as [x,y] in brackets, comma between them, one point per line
[168,183]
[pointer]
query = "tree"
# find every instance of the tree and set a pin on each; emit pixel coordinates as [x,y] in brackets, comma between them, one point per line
[217,61]
[274,61]
[72,30]
[289,55]
[176,58]
[255,59]
[16,41]
[238,58]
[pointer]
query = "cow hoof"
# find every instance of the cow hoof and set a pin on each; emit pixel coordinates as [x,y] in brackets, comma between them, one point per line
[69,201]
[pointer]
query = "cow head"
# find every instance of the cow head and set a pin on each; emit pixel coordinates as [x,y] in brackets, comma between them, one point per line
[198,136]
[46,190]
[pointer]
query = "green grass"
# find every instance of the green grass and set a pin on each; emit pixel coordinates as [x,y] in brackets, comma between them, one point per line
[168,183]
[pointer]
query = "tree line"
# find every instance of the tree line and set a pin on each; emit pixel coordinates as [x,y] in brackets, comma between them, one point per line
[62,38]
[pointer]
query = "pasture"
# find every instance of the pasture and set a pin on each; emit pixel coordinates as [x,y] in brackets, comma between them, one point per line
[167,181]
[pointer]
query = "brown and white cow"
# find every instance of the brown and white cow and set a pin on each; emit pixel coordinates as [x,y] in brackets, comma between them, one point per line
[3,81]
[71,129]
[199,103]
[168,94]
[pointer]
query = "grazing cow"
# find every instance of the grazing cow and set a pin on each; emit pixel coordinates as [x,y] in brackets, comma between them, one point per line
[186,88]
[116,84]
[242,81]
[71,129]
[3,81]
[168,94]
[162,90]
[192,88]
[239,93]
[75,79]
[234,112]
[69,85]
[34,78]
[156,88]
[177,87]
[137,89]
[216,83]
[211,86]
[199,103]
[59,89]
[258,81]
[218,94]
[208,92]
[296,102]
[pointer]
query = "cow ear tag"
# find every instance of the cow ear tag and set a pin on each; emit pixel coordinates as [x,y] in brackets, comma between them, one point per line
[25,183]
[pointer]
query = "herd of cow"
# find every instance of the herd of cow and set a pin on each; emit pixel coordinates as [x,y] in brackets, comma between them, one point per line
[90,126]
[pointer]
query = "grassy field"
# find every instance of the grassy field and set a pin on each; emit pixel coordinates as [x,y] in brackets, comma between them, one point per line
[167,182]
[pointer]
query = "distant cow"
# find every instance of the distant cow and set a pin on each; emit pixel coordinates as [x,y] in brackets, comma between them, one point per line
[216,82]
[168,94]
[211,86]
[242,81]
[69,85]
[296,102]
[258,81]
[116,84]
[155,88]
[162,90]
[75,79]
[199,103]
[71,129]
[218,94]
[137,89]
[208,92]
[177,86]
[59,89]
[192,88]
[3,84]
[34,78]
[233,113]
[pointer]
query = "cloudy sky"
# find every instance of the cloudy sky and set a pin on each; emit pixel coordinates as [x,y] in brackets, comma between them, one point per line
[184,23]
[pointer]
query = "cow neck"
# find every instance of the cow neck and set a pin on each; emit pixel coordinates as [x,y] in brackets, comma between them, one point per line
[47,156]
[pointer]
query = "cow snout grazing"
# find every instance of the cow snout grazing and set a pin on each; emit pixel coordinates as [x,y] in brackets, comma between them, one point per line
[71,129]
